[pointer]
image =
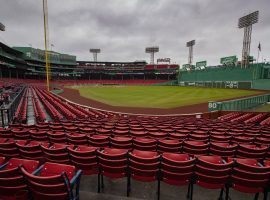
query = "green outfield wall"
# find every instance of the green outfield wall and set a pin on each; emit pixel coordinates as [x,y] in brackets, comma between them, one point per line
[256,76]
[169,83]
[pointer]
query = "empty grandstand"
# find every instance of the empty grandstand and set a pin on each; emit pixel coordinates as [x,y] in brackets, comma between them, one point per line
[28,62]
[59,143]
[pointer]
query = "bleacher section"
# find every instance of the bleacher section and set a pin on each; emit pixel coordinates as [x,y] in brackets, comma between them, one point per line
[229,152]
[59,109]
[175,150]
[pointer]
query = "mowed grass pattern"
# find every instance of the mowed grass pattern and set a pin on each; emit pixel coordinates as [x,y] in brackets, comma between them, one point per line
[158,96]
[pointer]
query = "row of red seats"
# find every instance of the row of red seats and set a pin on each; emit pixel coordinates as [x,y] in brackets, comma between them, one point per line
[233,136]
[116,122]
[70,111]
[240,138]
[243,117]
[56,104]
[173,122]
[266,122]
[27,179]
[257,118]
[54,113]
[246,118]
[21,113]
[10,147]
[222,135]
[39,113]
[211,172]
[71,108]
[229,116]
[79,111]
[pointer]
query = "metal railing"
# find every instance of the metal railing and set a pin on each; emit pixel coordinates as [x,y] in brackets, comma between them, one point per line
[7,112]
[239,104]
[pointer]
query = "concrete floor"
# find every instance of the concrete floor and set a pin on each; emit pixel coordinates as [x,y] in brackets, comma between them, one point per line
[116,190]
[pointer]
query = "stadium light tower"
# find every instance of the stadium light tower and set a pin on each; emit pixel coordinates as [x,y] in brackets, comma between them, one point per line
[2,27]
[190,45]
[246,23]
[95,53]
[152,51]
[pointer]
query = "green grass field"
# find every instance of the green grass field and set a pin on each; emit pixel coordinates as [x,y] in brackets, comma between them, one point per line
[158,96]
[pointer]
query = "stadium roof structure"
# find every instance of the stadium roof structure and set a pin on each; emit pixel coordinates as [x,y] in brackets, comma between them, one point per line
[9,49]
[35,54]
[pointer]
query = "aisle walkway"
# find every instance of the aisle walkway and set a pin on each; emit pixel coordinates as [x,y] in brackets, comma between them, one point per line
[30,109]
[31,119]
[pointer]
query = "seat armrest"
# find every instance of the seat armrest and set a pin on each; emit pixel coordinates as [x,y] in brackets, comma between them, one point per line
[37,171]
[3,166]
[75,178]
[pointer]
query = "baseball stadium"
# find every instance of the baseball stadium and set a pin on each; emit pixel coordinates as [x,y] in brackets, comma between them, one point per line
[73,128]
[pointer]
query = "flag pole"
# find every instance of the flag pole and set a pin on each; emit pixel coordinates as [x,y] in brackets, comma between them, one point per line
[259,49]
[46,43]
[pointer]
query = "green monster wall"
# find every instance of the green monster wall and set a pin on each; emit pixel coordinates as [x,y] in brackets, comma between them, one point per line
[257,74]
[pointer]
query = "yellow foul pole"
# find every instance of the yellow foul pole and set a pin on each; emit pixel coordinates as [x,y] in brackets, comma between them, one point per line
[45,17]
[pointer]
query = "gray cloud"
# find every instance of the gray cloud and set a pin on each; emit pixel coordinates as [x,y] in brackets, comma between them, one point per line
[122,29]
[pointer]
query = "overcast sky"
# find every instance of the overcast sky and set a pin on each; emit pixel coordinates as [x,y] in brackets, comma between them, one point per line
[123,28]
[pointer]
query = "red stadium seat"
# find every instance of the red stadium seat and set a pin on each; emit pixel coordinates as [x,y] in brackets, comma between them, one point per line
[251,151]
[223,149]
[20,133]
[176,169]
[57,153]
[57,137]
[31,150]
[144,167]
[213,172]
[77,139]
[195,147]
[121,142]
[121,132]
[11,180]
[8,148]
[84,158]
[249,176]
[39,135]
[167,145]
[144,144]
[54,181]
[112,164]
[2,160]
[5,133]
[138,133]
[98,140]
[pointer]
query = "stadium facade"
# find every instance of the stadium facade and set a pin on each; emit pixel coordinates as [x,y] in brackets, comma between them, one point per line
[28,62]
